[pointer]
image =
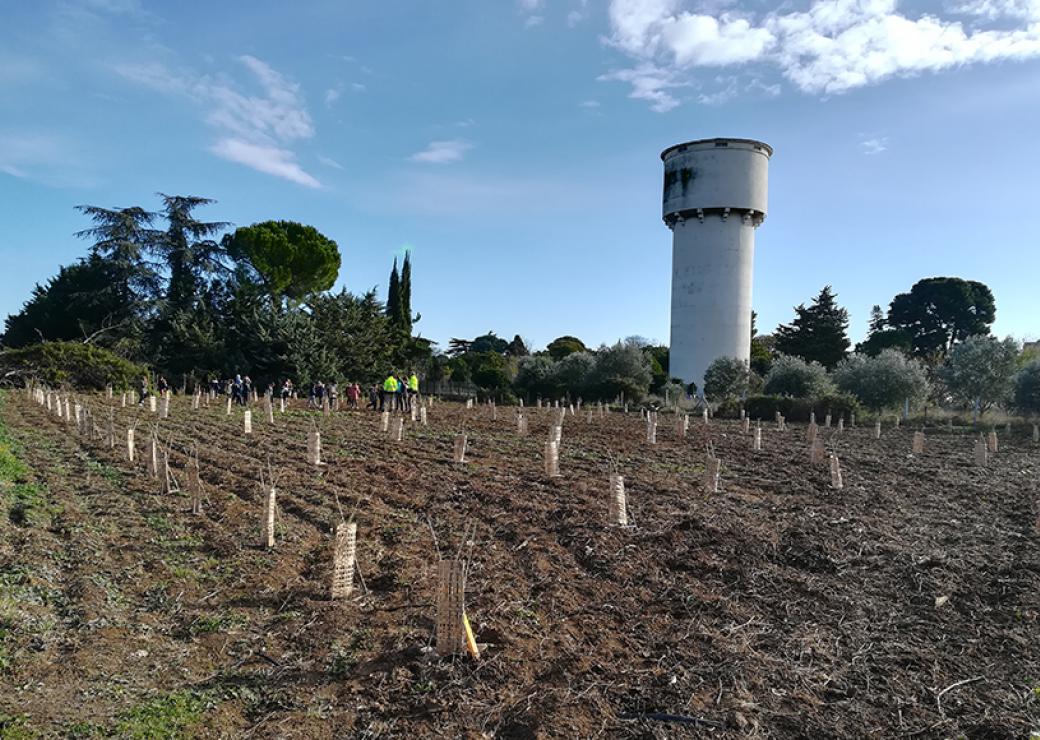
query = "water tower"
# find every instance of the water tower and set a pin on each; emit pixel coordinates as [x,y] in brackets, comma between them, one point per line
[714,199]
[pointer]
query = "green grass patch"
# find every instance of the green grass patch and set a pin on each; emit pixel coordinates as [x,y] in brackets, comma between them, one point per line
[217,623]
[168,716]
[26,502]
[15,727]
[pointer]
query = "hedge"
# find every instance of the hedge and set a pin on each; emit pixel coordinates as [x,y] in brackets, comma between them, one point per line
[794,409]
[82,366]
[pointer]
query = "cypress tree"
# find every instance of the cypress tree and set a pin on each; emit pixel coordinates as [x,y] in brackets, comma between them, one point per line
[405,294]
[818,333]
[393,295]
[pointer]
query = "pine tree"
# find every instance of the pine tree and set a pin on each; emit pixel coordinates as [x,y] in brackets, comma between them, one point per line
[406,294]
[881,337]
[877,319]
[818,333]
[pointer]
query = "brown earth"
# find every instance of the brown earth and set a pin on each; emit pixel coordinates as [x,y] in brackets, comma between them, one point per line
[905,605]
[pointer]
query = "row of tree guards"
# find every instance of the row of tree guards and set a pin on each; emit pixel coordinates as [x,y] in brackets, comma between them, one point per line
[453,632]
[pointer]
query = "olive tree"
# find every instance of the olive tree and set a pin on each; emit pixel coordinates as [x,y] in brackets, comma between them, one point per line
[884,381]
[1026,393]
[793,376]
[726,378]
[620,369]
[978,372]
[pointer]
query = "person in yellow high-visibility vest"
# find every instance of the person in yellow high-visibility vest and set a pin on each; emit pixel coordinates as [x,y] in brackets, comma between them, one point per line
[413,388]
[386,403]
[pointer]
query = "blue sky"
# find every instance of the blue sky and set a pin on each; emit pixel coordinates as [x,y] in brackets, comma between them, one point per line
[513,144]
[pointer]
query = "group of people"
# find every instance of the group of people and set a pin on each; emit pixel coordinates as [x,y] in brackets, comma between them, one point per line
[240,388]
[320,391]
[398,392]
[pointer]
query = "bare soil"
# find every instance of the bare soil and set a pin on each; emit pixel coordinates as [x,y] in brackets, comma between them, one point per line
[905,605]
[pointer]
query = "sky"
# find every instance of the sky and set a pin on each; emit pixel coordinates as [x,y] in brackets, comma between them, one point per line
[514,145]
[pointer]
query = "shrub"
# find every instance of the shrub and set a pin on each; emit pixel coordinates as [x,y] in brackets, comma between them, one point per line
[1026,395]
[83,366]
[793,376]
[978,372]
[620,369]
[573,373]
[536,376]
[796,409]
[726,378]
[884,381]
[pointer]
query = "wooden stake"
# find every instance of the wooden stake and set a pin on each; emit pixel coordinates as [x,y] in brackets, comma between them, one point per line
[247,422]
[757,444]
[384,422]
[991,441]
[422,415]
[918,444]
[398,433]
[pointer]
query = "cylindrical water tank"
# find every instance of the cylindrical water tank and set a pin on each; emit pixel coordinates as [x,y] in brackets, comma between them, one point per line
[714,199]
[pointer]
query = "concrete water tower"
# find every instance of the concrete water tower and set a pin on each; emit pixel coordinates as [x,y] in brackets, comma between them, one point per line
[714,199]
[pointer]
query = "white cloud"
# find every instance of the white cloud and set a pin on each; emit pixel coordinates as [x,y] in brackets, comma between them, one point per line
[649,83]
[530,10]
[590,104]
[330,162]
[873,144]
[332,95]
[255,128]
[993,9]
[264,158]
[443,152]
[358,87]
[574,18]
[42,157]
[831,47]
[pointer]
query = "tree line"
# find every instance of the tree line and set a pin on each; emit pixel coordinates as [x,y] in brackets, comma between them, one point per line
[193,299]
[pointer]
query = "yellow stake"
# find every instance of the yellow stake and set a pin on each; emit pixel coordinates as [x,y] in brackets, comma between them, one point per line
[471,642]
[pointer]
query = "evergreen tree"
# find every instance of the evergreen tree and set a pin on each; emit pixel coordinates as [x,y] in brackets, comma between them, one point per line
[939,312]
[406,294]
[818,333]
[393,296]
[881,337]
[517,348]
[189,252]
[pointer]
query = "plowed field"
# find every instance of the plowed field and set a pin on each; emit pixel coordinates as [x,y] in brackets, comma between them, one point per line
[905,604]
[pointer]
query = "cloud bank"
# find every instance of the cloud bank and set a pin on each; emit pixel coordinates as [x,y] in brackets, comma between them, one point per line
[829,47]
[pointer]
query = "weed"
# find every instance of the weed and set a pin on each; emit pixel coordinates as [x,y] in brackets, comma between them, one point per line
[107,472]
[14,727]
[29,506]
[159,522]
[219,623]
[166,716]
[345,657]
